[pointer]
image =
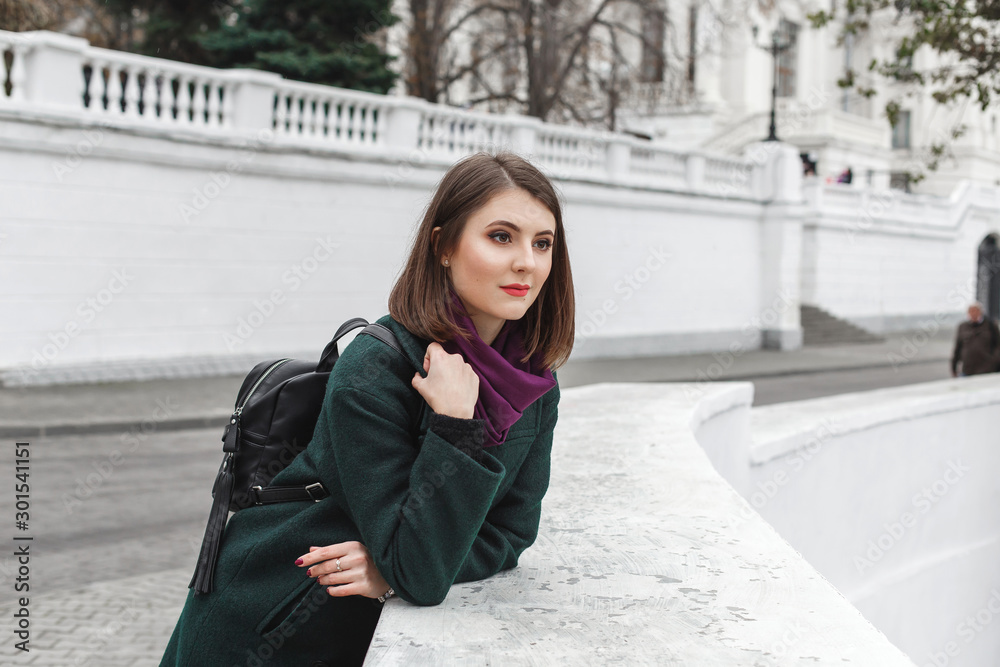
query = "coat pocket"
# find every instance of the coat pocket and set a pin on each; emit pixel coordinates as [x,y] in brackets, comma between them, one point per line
[294,611]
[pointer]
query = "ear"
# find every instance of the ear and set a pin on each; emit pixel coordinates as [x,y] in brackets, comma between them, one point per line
[435,234]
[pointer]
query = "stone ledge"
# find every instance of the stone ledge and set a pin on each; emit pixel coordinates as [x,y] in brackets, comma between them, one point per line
[645,556]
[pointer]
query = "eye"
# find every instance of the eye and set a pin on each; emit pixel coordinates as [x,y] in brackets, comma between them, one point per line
[548,244]
[494,236]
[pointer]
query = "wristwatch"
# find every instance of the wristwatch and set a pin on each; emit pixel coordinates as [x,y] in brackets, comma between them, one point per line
[385,596]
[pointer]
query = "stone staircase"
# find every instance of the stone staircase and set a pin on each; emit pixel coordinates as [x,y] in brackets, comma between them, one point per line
[821,328]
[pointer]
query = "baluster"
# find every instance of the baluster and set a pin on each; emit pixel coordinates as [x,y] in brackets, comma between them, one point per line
[299,113]
[87,85]
[116,91]
[213,104]
[226,90]
[183,100]
[280,113]
[344,119]
[155,107]
[323,108]
[18,73]
[130,92]
[100,87]
[378,125]
[370,125]
[197,102]
[314,107]
[357,112]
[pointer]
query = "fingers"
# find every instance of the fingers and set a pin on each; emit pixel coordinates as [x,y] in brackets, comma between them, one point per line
[328,553]
[330,567]
[346,590]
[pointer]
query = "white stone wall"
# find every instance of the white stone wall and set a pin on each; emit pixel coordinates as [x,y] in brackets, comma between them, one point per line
[892,496]
[891,262]
[223,251]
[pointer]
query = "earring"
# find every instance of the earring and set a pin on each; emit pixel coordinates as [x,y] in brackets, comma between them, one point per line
[446,262]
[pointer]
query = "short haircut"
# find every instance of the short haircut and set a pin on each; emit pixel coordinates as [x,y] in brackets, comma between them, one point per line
[420,297]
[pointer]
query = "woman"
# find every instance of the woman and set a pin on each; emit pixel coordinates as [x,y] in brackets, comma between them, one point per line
[436,463]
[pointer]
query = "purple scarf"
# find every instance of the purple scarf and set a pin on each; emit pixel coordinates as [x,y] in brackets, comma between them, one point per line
[507,386]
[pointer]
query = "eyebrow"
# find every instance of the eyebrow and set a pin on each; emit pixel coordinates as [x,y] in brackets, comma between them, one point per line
[518,229]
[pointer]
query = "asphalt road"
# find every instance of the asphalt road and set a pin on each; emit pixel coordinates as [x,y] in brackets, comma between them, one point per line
[799,387]
[96,515]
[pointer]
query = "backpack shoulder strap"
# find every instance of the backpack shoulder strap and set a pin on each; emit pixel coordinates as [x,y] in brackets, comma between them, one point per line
[384,334]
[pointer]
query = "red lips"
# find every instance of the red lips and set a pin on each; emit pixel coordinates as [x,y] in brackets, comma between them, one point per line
[516,286]
[515,289]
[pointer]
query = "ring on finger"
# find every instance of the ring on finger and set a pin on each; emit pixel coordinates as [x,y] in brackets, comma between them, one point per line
[337,563]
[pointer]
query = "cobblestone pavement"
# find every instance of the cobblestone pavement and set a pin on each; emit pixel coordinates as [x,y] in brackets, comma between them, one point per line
[121,623]
[115,541]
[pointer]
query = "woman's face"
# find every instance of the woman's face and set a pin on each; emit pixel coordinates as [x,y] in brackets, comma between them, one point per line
[506,242]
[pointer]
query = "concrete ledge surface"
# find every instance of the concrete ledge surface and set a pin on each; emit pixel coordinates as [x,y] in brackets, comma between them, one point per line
[645,556]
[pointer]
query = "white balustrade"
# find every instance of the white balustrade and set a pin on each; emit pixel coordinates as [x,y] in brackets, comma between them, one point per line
[570,151]
[652,163]
[153,90]
[729,175]
[453,132]
[63,74]
[12,71]
[329,115]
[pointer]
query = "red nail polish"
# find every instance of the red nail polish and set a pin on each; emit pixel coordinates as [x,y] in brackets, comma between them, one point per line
[309,572]
[298,562]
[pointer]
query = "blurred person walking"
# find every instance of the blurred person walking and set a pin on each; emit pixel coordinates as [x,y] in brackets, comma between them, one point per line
[977,345]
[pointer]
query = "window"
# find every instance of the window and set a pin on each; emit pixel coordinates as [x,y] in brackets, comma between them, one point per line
[901,131]
[788,33]
[653,27]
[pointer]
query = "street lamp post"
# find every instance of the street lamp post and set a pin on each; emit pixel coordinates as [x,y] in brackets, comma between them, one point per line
[775,48]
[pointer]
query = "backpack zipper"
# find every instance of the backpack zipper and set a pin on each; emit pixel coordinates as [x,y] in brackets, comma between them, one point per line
[256,384]
[234,419]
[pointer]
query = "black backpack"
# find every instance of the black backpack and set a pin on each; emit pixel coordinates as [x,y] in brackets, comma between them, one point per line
[276,412]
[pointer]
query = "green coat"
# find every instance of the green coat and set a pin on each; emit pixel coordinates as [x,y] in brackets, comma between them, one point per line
[428,513]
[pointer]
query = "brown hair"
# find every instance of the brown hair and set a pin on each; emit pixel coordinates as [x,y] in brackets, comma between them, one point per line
[420,296]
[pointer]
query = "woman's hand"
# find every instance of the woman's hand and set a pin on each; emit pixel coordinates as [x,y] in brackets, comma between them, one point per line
[451,387]
[356,575]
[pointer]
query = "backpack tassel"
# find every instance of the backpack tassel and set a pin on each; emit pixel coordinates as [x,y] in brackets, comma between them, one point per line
[204,572]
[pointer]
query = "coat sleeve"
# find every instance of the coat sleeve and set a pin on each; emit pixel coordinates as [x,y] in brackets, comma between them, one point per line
[418,510]
[512,525]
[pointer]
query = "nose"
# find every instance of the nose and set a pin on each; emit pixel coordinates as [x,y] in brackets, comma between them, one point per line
[525,259]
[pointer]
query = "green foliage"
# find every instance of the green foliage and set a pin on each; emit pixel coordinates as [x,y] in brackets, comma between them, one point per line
[168,28]
[319,41]
[306,40]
